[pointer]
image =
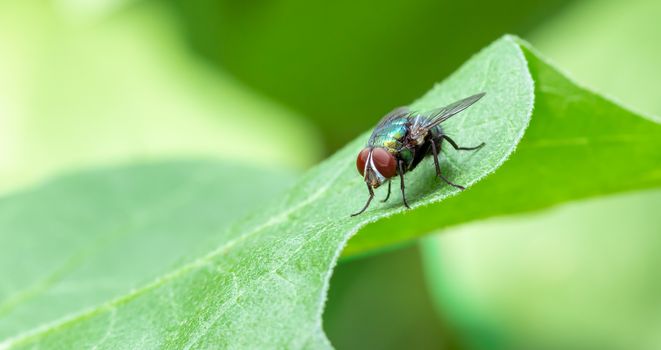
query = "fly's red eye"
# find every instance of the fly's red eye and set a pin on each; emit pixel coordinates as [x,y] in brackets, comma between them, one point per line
[384,162]
[361,160]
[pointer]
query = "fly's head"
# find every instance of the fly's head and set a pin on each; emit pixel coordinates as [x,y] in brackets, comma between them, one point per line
[376,165]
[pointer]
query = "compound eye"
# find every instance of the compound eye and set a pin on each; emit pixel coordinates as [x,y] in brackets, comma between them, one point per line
[385,162]
[362,160]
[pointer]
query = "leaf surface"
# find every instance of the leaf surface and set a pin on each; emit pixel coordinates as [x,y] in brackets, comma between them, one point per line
[89,237]
[578,145]
[263,285]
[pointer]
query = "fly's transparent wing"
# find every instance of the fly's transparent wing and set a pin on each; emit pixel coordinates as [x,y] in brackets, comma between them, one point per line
[434,117]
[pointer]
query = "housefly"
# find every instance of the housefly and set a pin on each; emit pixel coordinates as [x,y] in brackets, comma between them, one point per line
[401,140]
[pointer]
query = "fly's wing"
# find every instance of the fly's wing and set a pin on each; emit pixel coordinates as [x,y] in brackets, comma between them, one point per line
[425,121]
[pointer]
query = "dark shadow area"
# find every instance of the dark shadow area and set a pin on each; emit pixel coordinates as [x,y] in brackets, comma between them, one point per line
[344,64]
[381,302]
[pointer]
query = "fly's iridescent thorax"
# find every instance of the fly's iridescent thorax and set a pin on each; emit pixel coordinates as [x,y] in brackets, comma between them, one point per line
[390,136]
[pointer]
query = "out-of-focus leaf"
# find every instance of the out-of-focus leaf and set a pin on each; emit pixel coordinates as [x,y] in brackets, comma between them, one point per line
[610,45]
[77,92]
[264,283]
[343,63]
[382,302]
[584,276]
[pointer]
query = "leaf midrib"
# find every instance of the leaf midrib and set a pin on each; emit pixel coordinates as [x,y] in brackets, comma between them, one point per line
[197,263]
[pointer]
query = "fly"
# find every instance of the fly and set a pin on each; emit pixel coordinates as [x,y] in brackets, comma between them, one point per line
[401,140]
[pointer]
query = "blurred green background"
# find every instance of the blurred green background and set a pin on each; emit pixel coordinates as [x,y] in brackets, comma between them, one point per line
[283,83]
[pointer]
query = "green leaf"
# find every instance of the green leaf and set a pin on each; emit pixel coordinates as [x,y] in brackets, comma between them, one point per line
[86,238]
[578,145]
[621,60]
[581,276]
[264,283]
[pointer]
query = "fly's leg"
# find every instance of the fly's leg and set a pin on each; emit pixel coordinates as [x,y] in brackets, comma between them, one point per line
[401,179]
[438,167]
[455,146]
[388,195]
[369,188]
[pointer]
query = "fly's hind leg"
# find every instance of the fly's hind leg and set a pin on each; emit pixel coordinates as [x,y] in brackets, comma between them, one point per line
[455,146]
[435,153]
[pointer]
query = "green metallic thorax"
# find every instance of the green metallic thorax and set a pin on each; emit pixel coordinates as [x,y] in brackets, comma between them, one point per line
[390,137]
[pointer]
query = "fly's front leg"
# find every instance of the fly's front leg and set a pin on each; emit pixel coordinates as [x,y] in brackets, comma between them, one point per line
[388,195]
[369,188]
[455,146]
[438,167]
[401,179]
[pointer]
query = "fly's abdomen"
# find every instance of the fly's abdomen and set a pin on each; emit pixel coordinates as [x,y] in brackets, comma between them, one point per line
[436,132]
